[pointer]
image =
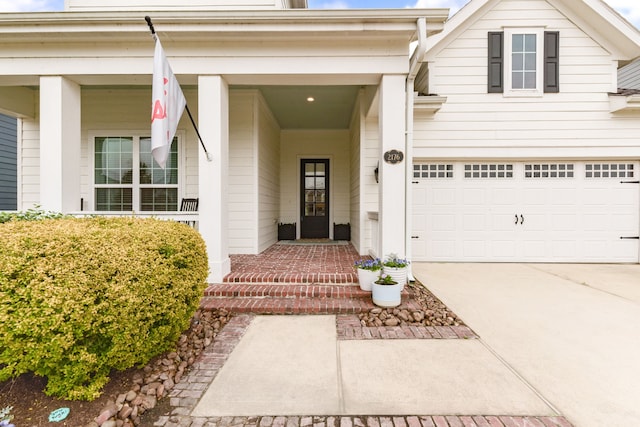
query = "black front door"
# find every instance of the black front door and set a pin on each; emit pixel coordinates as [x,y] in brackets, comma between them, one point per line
[314,198]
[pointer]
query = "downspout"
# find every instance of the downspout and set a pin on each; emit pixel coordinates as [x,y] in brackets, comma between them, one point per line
[414,67]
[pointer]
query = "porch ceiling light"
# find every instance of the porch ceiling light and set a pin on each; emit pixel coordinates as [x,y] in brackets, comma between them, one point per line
[310,99]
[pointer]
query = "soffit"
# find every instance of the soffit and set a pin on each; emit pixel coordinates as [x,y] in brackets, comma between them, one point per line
[194,25]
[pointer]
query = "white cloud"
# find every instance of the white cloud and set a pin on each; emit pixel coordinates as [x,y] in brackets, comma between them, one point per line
[630,9]
[452,5]
[30,5]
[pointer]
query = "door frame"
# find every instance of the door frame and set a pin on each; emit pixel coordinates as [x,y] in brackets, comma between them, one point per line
[299,199]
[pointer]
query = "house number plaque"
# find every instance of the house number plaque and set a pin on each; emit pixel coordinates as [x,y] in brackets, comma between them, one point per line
[393,156]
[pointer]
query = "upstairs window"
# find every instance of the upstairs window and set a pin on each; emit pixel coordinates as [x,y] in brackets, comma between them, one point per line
[523,62]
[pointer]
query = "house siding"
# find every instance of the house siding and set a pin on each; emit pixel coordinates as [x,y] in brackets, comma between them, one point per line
[371,199]
[8,163]
[243,174]
[355,136]
[268,175]
[629,76]
[471,121]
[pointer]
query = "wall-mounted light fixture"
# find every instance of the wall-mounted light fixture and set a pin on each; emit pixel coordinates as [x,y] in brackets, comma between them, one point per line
[376,171]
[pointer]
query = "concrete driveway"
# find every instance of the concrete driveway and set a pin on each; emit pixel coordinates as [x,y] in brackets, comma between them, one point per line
[570,331]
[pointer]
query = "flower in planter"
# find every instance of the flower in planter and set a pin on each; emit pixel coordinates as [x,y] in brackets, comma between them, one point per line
[369,264]
[393,261]
[386,280]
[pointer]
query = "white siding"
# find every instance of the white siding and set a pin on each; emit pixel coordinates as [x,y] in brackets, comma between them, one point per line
[472,120]
[333,145]
[371,198]
[629,76]
[29,164]
[355,136]
[268,175]
[243,196]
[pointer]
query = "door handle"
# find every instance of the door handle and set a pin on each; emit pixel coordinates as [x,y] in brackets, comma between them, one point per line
[516,219]
[521,219]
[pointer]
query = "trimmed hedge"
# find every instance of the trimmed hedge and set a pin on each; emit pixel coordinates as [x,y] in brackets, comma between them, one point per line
[80,297]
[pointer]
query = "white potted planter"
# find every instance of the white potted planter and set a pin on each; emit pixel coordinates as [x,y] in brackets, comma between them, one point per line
[366,278]
[386,293]
[368,271]
[397,268]
[399,274]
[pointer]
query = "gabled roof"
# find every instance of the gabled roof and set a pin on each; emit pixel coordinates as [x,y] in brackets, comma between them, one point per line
[594,17]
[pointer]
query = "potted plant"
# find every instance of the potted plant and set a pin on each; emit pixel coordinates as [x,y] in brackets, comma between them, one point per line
[386,292]
[368,271]
[397,268]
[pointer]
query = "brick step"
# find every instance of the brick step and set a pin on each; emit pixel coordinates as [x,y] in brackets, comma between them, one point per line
[286,291]
[291,299]
[287,278]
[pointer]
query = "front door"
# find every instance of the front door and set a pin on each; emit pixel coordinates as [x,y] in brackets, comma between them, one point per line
[314,198]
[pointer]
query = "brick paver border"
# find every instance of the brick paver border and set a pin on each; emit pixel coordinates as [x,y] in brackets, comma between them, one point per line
[187,393]
[348,327]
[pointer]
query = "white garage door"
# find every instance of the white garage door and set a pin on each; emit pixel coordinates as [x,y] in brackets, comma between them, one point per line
[526,212]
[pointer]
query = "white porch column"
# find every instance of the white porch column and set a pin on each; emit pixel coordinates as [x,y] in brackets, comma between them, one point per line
[213,118]
[60,108]
[392,176]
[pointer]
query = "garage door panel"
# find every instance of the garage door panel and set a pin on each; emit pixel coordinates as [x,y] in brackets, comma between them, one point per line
[568,216]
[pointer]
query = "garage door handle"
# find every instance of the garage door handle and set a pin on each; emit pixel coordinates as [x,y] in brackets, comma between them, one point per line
[415,237]
[521,219]
[516,219]
[631,238]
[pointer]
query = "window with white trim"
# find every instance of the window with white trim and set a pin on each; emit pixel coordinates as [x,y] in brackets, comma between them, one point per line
[127,178]
[548,170]
[488,170]
[523,62]
[609,170]
[431,170]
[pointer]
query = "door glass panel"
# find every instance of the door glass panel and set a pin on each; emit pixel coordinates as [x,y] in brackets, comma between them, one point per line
[309,209]
[315,189]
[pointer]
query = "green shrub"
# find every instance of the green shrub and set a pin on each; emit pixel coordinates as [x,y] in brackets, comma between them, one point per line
[80,297]
[34,214]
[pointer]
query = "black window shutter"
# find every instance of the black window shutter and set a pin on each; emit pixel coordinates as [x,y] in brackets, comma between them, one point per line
[496,62]
[551,61]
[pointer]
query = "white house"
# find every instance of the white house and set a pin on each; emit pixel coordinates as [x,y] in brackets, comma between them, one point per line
[496,135]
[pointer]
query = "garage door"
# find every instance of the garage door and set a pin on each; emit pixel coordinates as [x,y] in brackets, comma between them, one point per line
[526,212]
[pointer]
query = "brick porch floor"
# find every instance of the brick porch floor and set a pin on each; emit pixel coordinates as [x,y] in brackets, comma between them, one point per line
[296,263]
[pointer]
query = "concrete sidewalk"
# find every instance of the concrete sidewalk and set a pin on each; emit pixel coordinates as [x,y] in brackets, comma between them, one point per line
[292,365]
[571,331]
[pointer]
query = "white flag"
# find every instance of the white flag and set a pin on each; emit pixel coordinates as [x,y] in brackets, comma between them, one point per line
[167,105]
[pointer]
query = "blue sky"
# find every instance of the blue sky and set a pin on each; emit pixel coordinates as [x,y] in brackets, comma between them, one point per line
[630,9]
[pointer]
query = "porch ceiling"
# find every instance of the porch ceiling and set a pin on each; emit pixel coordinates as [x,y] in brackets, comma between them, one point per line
[331,108]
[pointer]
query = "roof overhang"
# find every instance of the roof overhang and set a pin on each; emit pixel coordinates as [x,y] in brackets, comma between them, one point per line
[51,27]
[624,103]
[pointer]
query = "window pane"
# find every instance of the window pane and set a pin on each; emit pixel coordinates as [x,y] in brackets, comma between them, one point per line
[320,169]
[517,80]
[517,42]
[530,80]
[150,171]
[530,43]
[159,199]
[309,169]
[113,160]
[530,61]
[517,60]
[113,199]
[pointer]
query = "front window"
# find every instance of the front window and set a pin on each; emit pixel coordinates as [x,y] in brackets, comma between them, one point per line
[127,178]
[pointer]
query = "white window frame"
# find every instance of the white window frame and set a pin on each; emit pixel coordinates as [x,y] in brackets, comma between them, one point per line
[136,135]
[509,91]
